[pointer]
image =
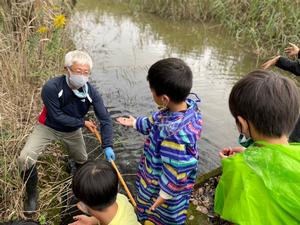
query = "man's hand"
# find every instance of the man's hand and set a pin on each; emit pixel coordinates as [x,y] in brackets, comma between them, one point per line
[292,50]
[159,201]
[109,154]
[90,125]
[270,63]
[227,152]
[84,220]
[129,122]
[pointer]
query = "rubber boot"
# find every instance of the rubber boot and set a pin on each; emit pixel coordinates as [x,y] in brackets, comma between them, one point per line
[72,167]
[30,179]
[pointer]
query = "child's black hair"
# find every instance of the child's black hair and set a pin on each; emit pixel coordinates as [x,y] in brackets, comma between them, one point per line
[171,77]
[268,100]
[96,184]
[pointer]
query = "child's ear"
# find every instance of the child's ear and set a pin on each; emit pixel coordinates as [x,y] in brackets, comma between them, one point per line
[243,125]
[165,99]
[82,207]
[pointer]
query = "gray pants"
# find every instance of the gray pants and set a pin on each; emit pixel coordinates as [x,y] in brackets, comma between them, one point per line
[43,136]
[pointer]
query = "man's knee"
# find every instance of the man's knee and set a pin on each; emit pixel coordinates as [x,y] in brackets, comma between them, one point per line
[81,158]
[25,161]
[77,149]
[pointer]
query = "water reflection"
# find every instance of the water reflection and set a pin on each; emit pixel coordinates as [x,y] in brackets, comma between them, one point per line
[123,47]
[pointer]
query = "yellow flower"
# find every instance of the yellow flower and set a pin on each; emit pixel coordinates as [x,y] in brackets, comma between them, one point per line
[42,29]
[59,21]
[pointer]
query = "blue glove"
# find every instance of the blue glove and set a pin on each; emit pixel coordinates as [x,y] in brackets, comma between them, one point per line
[109,154]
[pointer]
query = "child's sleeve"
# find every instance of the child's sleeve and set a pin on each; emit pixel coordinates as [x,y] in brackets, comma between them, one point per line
[144,124]
[180,162]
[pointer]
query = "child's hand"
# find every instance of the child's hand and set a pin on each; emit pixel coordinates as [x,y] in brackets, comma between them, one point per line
[84,220]
[270,63]
[130,121]
[227,152]
[159,201]
[292,50]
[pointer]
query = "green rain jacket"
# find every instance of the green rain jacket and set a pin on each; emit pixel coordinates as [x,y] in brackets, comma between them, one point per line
[261,186]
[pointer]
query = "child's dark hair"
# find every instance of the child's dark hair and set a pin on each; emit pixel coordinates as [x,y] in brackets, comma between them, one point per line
[96,184]
[268,100]
[171,77]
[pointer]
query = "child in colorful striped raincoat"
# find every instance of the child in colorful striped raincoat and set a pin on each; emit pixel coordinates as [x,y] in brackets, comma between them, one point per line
[168,166]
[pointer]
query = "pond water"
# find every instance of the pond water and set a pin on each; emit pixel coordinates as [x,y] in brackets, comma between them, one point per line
[124,45]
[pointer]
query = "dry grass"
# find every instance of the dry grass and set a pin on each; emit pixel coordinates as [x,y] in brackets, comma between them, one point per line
[27,59]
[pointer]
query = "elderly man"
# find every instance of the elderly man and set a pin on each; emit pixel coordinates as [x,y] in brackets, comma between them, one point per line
[67,99]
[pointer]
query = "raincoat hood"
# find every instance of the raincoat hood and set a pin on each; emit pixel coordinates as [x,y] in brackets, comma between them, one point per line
[171,122]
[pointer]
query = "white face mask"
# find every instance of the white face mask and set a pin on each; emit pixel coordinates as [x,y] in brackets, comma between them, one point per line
[77,80]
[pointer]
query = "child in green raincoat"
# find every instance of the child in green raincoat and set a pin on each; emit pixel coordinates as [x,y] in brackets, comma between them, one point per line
[260,183]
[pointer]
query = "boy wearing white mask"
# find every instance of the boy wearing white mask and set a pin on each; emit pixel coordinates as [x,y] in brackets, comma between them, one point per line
[67,99]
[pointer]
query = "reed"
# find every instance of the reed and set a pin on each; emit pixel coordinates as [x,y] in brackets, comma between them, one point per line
[264,26]
[32,45]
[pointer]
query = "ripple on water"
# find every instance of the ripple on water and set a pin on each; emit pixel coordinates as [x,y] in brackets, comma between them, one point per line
[123,47]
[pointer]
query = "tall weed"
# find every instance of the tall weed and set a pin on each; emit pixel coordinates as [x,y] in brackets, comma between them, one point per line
[32,45]
[264,26]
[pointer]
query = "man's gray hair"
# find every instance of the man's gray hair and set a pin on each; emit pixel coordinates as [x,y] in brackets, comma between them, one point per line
[78,57]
